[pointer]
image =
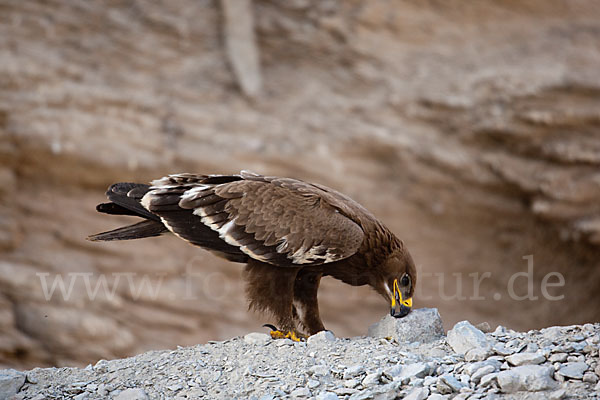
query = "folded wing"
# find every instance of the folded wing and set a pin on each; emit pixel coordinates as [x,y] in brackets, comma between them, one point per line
[280,221]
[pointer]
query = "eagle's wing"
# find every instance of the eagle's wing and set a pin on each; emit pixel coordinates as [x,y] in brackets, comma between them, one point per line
[280,221]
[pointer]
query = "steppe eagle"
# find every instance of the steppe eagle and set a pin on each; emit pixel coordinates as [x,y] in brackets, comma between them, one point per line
[289,233]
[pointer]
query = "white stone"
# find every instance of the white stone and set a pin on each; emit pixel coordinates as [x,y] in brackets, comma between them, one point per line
[526,377]
[420,325]
[417,394]
[300,392]
[257,338]
[590,377]
[488,379]
[450,382]
[327,396]
[132,394]
[353,371]
[10,382]
[318,370]
[471,368]
[526,358]
[371,379]
[351,383]
[419,370]
[323,337]
[436,396]
[481,372]
[477,354]
[464,337]
[573,370]
[312,383]
[558,357]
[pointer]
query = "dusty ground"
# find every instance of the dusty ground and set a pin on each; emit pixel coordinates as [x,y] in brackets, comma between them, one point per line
[471,130]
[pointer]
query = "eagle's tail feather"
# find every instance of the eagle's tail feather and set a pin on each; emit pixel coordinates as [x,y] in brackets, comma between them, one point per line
[126,199]
[147,228]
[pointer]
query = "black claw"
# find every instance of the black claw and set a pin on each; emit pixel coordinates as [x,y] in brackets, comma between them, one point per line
[271,327]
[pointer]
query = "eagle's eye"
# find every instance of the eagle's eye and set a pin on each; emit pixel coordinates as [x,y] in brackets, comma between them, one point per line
[405,280]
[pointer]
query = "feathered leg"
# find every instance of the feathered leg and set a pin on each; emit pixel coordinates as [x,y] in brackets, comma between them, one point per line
[271,289]
[305,300]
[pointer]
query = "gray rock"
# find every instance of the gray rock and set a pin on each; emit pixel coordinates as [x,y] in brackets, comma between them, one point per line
[557,394]
[590,377]
[371,379]
[257,338]
[531,378]
[448,384]
[488,380]
[471,368]
[464,337]
[313,383]
[417,394]
[526,358]
[300,392]
[351,383]
[421,325]
[558,357]
[436,396]
[319,370]
[477,354]
[353,371]
[573,370]
[419,370]
[321,338]
[327,396]
[499,348]
[481,372]
[345,391]
[132,394]
[11,382]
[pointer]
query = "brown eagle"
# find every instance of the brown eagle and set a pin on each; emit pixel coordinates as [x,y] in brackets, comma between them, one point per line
[289,233]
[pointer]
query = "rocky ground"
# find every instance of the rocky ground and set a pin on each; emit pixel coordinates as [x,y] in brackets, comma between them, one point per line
[471,129]
[552,363]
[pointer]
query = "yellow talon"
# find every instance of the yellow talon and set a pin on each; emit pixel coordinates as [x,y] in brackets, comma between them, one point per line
[296,337]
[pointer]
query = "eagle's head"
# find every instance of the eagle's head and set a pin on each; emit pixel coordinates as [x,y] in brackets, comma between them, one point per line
[397,282]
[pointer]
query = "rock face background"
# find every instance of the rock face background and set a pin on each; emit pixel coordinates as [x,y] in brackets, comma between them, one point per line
[471,129]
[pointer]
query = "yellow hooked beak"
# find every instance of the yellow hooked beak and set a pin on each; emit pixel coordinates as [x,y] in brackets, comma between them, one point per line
[405,305]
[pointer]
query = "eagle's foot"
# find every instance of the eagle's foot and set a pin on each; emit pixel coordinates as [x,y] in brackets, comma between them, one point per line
[278,334]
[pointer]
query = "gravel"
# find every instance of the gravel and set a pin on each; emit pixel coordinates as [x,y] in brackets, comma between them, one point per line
[520,365]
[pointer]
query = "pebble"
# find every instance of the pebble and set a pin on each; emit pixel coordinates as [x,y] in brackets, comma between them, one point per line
[464,337]
[132,394]
[590,377]
[327,396]
[321,338]
[257,338]
[312,383]
[11,382]
[421,325]
[319,370]
[436,396]
[417,394]
[526,358]
[351,383]
[300,392]
[419,370]
[353,371]
[527,377]
[447,384]
[558,357]
[371,379]
[573,370]
[481,372]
